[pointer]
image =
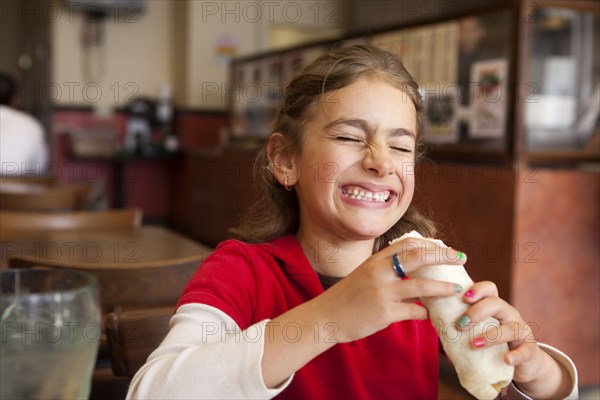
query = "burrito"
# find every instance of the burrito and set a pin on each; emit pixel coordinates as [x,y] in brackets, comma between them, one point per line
[482,372]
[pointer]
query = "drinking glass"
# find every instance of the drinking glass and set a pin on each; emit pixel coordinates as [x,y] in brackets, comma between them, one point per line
[50,333]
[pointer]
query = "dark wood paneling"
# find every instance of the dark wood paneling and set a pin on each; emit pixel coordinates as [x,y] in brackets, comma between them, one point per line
[473,207]
[195,130]
[222,191]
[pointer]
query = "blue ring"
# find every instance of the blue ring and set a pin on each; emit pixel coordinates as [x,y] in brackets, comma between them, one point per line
[398,267]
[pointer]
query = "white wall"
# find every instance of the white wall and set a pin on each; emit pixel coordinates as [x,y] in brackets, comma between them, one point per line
[176,42]
[135,51]
[255,26]
[209,22]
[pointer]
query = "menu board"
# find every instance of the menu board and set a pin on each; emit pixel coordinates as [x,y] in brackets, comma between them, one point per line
[458,65]
[258,86]
[430,54]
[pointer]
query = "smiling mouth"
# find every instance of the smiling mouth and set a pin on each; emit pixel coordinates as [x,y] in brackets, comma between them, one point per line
[358,193]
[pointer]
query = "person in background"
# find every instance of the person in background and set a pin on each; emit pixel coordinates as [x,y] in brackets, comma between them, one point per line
[309,305]
[23,149]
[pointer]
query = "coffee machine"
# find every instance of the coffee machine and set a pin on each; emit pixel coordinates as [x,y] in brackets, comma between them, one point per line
[140,124]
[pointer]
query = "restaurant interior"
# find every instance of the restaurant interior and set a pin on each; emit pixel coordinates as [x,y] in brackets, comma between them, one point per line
[153,112]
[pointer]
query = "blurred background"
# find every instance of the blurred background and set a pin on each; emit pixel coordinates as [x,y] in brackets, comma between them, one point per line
[161,105]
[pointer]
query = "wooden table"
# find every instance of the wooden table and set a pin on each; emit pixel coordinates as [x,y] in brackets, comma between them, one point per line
[141,248]
[135,267]
[18,187]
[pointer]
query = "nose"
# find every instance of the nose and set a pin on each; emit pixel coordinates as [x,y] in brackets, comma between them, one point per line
[378,160]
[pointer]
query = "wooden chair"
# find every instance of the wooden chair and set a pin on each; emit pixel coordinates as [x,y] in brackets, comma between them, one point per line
[15,221]
[133,335]
[52,199]
[21,187]
[131,285]
[16,180]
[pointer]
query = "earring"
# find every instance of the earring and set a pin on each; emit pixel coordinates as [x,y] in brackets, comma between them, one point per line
[286,184]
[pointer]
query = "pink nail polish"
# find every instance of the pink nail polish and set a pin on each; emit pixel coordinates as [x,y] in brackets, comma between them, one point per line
[478,342]
[470,294]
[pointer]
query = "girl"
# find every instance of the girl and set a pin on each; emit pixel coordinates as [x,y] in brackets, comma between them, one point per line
[314,308]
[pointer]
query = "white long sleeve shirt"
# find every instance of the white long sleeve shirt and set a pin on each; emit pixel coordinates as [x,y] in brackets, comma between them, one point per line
[206,356]
[23,148]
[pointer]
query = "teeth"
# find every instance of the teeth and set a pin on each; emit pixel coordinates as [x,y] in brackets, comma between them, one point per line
[358,194]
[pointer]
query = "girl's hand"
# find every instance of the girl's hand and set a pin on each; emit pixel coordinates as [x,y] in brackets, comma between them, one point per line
[373,296]
[364,302]
[536,373]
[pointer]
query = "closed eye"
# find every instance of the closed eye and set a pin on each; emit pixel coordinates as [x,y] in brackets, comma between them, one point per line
[347,139]
[402,149]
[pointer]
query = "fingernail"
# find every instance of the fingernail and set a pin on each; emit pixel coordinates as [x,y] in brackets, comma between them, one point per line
[464,321]
[458,288]
[478,342]
[511,360]
[470,294]
[461,256]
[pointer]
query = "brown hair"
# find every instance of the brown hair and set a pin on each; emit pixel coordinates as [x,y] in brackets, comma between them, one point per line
[276,212]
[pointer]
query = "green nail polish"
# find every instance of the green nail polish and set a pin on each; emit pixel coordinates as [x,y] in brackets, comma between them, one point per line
[457,288]
[460,255]
[464,321]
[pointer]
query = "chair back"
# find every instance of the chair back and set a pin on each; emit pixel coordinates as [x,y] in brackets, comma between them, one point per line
[15,221]
[50,199]
[132,335]
[13,181]
[126,279]
[131,285]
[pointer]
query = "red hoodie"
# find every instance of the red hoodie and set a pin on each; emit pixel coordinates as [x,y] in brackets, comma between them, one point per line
[251,283]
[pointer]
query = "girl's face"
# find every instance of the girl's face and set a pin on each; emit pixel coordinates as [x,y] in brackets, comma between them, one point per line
[355,175]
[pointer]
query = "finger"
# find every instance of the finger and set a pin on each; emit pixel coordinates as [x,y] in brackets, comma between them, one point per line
[525,335]
[492,335]
[485,308]
[411,300]
[410,311]
[521,354]
[414,253]
[419,288]
[480,290]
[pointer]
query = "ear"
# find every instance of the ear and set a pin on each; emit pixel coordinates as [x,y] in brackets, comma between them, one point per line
[282,161]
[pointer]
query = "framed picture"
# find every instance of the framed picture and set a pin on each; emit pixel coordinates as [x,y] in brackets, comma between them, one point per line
[440,118]
[461,65]
[257,89]
[487,114]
